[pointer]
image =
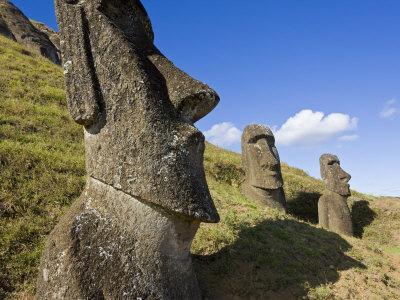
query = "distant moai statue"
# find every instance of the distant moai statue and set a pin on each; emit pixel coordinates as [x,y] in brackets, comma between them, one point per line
[333,211]
[261,162]
[129,234]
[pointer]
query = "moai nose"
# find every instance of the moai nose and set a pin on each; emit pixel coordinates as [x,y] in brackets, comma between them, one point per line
[192,98]
[268,155]
[344,175]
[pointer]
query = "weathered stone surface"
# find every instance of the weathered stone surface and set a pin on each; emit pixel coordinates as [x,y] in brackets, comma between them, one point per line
[192,99]
[4,30]
[23,31]
[112,246]
[52,35]
[129,234]
[333,211]
[262,165]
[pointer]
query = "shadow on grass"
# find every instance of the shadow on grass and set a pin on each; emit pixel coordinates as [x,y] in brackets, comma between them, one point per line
[275,259]
[304,206]
[362,216]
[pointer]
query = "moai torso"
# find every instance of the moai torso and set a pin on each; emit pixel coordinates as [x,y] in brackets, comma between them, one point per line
[333,211]
[263,181]
[129,234]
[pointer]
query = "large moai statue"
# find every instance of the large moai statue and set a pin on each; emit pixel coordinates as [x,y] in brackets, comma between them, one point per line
[262,166]
[129,234]
[333,211]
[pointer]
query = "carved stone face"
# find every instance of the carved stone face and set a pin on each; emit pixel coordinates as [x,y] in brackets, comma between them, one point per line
[336,179]
[260,158]
[137,107]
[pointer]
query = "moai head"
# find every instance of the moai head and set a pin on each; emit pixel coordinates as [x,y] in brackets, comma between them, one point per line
[260,158]
[336,179]
[137,108]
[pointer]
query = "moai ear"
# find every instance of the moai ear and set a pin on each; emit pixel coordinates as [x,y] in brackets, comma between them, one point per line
[145,20]
[81,84]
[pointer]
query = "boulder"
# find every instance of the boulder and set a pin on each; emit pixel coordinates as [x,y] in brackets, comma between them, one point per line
[14,24]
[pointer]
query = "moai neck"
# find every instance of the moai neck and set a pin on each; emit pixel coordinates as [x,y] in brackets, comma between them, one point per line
[162,241]
[274,198]
[334,195]
[116,247]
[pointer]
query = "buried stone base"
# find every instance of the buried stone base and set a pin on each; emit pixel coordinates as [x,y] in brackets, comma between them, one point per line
[112,246]
[272,198]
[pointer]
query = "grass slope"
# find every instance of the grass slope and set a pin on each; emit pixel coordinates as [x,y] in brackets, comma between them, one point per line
[255,252]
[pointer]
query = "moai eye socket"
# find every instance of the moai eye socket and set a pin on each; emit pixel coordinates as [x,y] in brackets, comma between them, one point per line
[271,140]
[71,1]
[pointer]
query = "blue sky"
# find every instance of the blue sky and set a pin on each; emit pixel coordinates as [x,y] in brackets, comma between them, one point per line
[331,66]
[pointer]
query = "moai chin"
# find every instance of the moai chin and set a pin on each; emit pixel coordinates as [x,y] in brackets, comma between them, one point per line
[129,234]
[333,211]
[262,166]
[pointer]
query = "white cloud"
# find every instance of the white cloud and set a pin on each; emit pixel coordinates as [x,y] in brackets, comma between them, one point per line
[349,138]
[308,128]
[223,134]
[390,111]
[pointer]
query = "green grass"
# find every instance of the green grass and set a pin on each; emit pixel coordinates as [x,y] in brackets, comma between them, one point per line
[41,161]
[254,252]
[393,250]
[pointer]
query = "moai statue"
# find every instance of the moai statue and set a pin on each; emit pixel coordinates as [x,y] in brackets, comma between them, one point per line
[333,212]
[262,166]
[129,234]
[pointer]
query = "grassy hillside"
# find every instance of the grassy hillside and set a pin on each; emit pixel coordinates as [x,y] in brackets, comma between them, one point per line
[255,252]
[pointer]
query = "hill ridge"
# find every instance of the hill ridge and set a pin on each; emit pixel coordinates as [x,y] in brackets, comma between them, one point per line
[33,35]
